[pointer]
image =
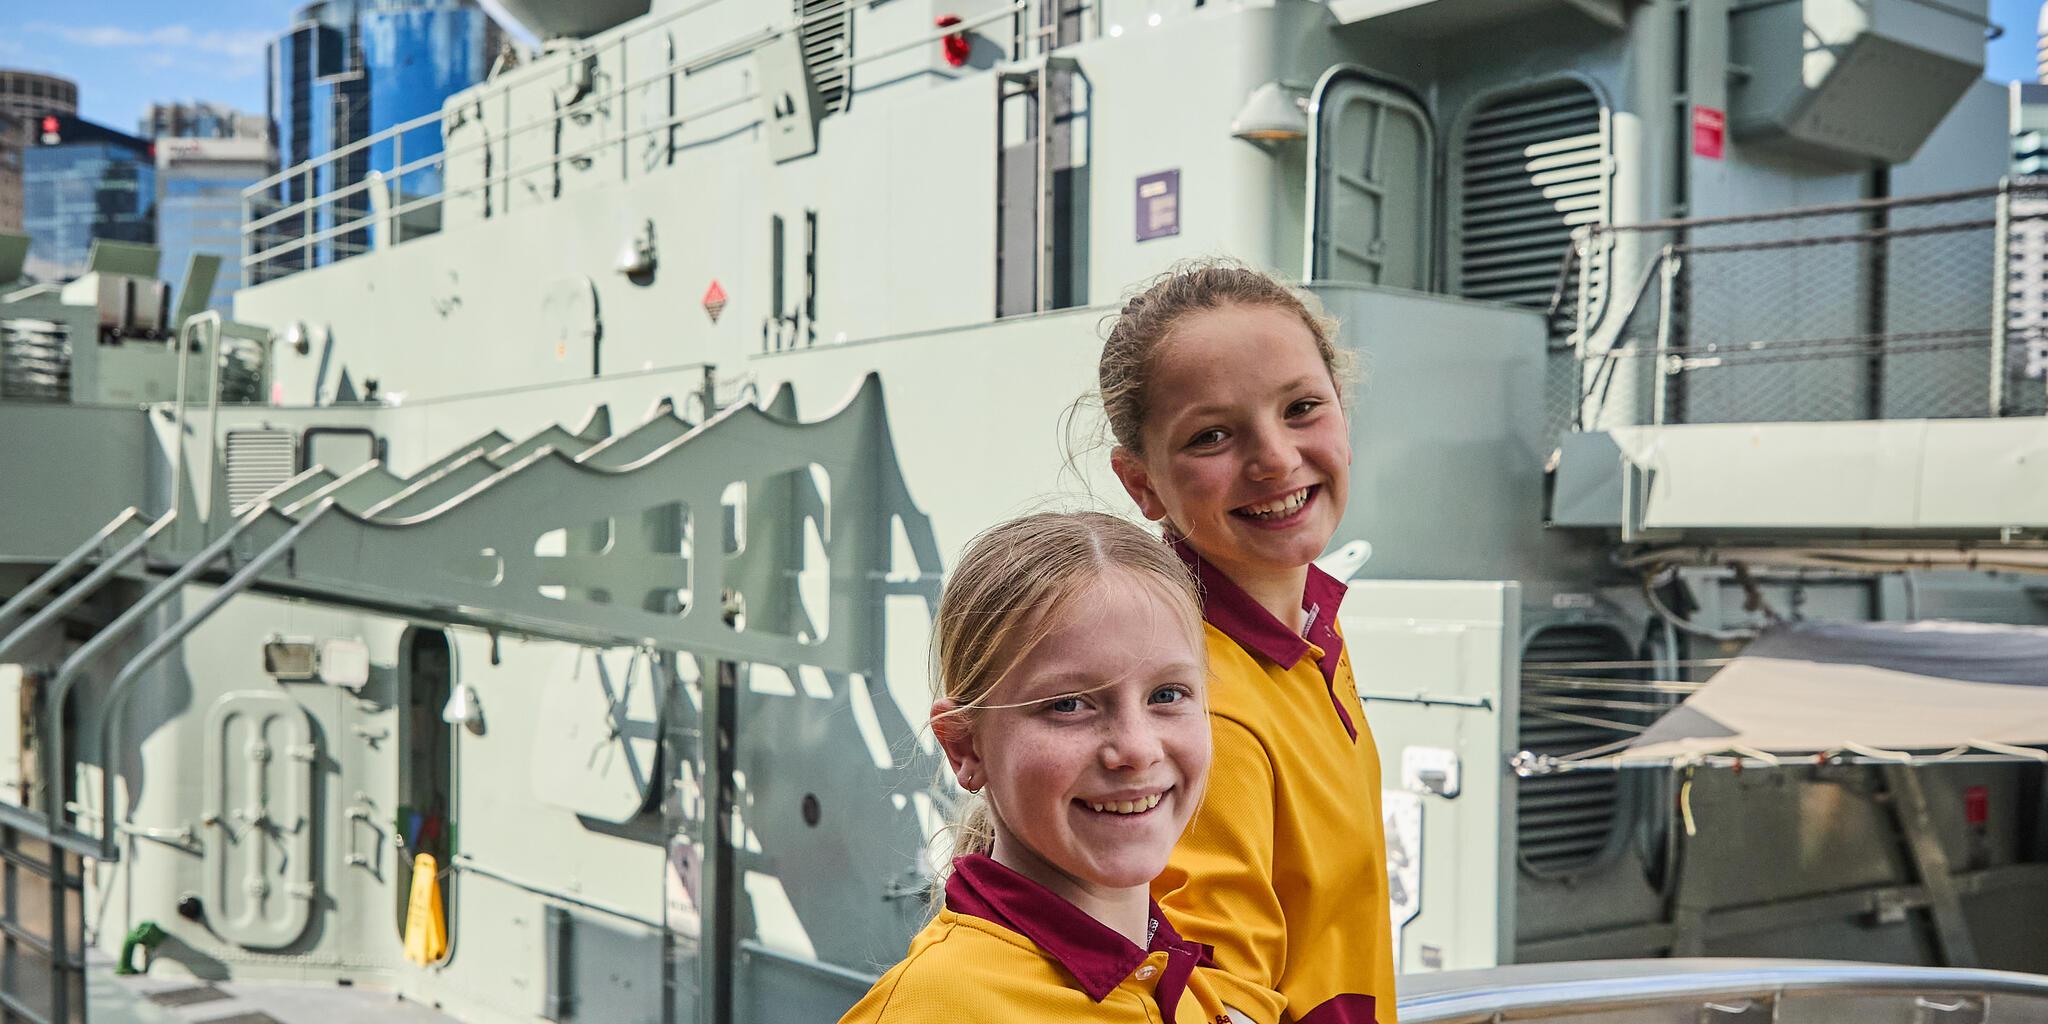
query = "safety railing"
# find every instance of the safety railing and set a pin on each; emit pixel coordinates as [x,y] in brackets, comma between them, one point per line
[328,209]
[1924,307]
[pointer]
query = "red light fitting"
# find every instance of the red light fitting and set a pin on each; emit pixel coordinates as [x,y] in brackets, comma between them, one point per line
[956,46]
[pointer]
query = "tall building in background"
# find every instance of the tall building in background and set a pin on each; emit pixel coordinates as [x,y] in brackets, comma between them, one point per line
[199,183]
[206,155]
[349,69]
[82,181]
[13,139]
[201,121]
[2026,262]
[25,98]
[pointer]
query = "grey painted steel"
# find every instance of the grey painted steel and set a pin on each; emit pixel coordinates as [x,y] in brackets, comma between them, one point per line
[1930,861]
[63,569]
[55,764]
[115,698]
[78,592]
[826,789]
[465,560]
[469,865]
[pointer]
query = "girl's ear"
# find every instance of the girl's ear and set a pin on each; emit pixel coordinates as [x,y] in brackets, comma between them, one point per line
[1130,470]
[956,737]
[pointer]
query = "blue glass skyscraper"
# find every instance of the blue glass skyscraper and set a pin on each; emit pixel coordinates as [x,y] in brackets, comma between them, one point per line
[199,205]
[82,181]
[415,56]
[347,70]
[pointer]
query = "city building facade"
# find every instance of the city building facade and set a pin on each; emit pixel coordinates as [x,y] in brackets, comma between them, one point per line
[199,183]
[349,69]
[12,140]
[25,97]
[2026,263]
[199,120]
[82,181]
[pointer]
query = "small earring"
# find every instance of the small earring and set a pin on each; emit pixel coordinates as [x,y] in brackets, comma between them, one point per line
[967,781]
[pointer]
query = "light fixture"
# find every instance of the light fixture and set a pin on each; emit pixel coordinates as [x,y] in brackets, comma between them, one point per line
[290,660]
[636,257]
[463,710]
[1272,113]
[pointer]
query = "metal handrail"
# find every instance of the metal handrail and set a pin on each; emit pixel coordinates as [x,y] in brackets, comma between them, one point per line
[69,563]
[163,643]
[67,674]
[1597,342]
[668,71]
[86,587]
[300,168]
[1488,995]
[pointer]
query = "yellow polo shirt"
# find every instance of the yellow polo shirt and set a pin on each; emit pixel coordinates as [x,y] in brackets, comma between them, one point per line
[1284,868]
[1007,949]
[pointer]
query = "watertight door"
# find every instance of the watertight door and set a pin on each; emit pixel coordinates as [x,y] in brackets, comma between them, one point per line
[1436,661]
[260,760]
[1375,186]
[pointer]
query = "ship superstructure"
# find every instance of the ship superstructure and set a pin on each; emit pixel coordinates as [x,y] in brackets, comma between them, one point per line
[583,531]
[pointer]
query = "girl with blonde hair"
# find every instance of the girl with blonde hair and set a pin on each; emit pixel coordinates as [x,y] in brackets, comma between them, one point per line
[1224,393]
[1070,682]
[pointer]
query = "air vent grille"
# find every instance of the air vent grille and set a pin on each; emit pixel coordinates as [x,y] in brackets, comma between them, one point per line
[1534,166]
[1566,822]
[827,37]
[257,461]
[35,360]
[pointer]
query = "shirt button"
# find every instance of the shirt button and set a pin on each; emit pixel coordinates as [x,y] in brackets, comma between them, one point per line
[1146,972]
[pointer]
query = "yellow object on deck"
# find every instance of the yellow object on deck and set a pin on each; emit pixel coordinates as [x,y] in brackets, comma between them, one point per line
[426,933]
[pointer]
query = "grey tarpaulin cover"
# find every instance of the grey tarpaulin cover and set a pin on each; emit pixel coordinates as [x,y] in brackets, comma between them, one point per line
[1871,688]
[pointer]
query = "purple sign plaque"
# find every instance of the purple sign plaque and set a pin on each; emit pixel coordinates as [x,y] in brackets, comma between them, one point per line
[1158,205]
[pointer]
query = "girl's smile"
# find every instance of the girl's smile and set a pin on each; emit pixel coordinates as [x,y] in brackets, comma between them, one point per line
[1246,450]
[1095,744]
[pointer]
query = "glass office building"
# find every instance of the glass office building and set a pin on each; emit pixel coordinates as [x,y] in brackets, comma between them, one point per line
[199,205]
[25,98]
[82,181]
[347,70]
[198,120]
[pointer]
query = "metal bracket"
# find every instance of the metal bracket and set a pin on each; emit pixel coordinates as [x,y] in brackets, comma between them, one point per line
[1476,703]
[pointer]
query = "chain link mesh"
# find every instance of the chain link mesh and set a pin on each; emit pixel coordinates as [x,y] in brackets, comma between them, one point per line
[1859,312]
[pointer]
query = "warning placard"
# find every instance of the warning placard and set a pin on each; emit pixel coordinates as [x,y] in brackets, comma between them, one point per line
[714,300]
[1709,132]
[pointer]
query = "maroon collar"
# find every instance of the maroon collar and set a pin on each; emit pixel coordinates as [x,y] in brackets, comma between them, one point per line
[1096,956]
[1226,606]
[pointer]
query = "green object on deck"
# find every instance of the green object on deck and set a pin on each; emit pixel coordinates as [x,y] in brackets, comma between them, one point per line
[147,935]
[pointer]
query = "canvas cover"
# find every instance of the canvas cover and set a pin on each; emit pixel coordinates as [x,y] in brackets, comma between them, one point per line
[1874,689]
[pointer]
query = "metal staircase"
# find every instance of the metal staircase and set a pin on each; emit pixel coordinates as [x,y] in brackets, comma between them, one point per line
[670,536]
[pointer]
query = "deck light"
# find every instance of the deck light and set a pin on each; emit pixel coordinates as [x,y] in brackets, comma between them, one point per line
[1272,113]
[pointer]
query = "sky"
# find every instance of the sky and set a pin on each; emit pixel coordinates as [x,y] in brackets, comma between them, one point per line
[127,54]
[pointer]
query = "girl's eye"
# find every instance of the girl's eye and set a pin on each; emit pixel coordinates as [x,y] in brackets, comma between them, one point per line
[1303,407]
[1170,694]
[1063,705]
[1206,438]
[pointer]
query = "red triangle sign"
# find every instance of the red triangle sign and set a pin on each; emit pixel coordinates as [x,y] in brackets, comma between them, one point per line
[714,300]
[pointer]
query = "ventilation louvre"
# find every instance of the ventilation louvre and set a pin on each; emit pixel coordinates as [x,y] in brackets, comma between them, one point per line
[827,39]
[1534,165]
[258,461]
[1566,822]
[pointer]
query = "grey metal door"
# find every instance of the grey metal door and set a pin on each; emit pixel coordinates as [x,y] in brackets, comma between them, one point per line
[1373,184]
